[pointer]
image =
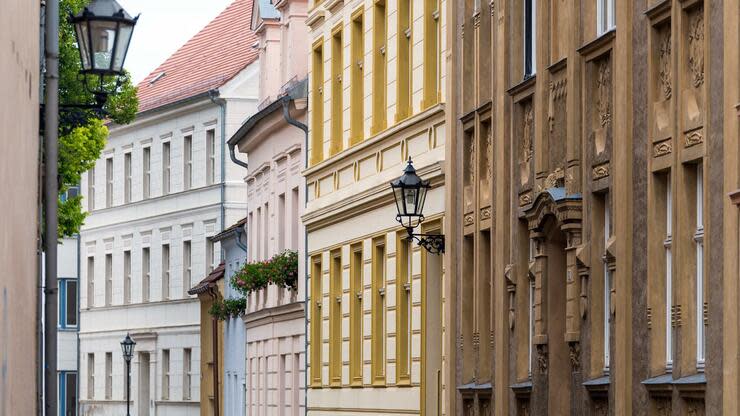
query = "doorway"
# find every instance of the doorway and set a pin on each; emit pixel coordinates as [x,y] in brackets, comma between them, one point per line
[144,382]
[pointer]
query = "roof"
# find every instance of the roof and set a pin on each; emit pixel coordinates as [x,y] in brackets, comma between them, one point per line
[225,233]
[263,10]
[207,61]
[210,280]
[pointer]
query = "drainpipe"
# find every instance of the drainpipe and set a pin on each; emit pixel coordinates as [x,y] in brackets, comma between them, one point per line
[232,153]
[216,390]
[40,227]
[214,96]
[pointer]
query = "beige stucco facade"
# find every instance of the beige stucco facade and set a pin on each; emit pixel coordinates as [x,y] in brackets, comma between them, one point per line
[19,152]
[375,299]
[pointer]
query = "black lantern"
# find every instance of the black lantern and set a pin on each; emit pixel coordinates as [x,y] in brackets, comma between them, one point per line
[103,30]
[127,345]
[410,193]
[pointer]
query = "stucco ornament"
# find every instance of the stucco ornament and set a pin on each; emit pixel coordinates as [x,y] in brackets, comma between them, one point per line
[527,147]
[665,65]
[574,351]
[696,47]
[604,85]
[542,358]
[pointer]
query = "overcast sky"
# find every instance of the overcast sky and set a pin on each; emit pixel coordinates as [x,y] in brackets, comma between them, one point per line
[164,26]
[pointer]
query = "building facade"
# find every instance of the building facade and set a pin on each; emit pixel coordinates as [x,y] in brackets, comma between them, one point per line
[68,274]
[375,298]
[593,147]
[19,231]
[160,189]
[273,142]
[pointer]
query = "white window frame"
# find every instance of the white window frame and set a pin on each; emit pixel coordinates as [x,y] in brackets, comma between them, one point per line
[187,265]
[605,16]
[166,271]
[210,254]
[91,189]
[210,156]
[109,182]
[532,39]
[166,167]
[127,177]
[187,368]
[667,244]
[90,376]
[108,279]
[699,240]
[127,277]
[187,158]
[146,274]
[165,374]
[146,161]
[108,375]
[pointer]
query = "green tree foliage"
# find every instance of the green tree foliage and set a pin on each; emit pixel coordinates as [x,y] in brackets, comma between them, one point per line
[82,134]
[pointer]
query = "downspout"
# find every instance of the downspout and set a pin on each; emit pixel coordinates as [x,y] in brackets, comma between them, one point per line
[216,390]
[298,124]
[40,227]
[232,153]
[214,96]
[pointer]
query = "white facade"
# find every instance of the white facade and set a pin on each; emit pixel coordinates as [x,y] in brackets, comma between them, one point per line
[68,323]
[145,217]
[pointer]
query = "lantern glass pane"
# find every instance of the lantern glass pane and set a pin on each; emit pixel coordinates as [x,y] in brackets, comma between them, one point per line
[422,198]
[103,38]
[124,37]
[410,200]
[398,196]
[82,43]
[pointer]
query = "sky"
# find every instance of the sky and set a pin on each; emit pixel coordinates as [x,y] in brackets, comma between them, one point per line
[164,26]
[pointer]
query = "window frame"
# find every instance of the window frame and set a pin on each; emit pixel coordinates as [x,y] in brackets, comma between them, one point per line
[109,182]
[64,390]
[146,169]
[529,38]
[210,156]
[64,302]
[166,168]
[187,161]
[127,181]
[146,274]
[605,16]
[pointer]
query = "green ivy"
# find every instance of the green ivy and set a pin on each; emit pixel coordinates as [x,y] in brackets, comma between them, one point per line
[224,309]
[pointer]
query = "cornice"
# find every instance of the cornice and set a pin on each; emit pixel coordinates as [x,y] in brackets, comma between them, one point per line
[366,201]
[273,315]
[598,46]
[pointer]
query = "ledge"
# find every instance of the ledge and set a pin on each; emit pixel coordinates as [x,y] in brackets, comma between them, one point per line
[600,42]
[522,389]
[522,86]
[735,197]
[660,385]
[659,11]
[691,386]
[598,385]
[474,387]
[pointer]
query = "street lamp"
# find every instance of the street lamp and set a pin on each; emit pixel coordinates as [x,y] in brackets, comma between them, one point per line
[410,193]
[103,31]
[127,345]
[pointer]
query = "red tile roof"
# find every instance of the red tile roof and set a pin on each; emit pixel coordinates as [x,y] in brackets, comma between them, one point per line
[210,281]
[207,61]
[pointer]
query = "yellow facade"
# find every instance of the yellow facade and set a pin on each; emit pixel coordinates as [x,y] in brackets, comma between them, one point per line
[375,297]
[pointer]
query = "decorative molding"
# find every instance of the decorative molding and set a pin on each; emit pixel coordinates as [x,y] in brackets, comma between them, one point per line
[601,171]
[604,86]
[662,148]
[696,47]
[528,133]
[574,352]
[485,213]
[555,180]
[468,220]
[542,358]
[525,199]
[558,92]
[489,155]
[649,317]
[664,63]
[693,138]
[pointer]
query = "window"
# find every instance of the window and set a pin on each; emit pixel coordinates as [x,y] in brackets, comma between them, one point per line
[146,274]
[295,220]
[281,223]
[356,291]
[91,189]
[108,375]
[187,364]
[146,172]
[210,156]
[165,374]
[337,86]
[607,281]
[186,267]
[403,309]
[108,279]
[335,318]
[530,37]
[90,376]
[67,303]
[90,282]
[187,162]
[379,67]
[699,275]
[317,297]
[357,81]
[109,182]
[378,312]
[404,60]
[431,52]
[317,98]
[127,277]
[266,234]
[68,393]
[209,255]
[127,178]
[165,168]
[667,243]
[604,16]
[165,271]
